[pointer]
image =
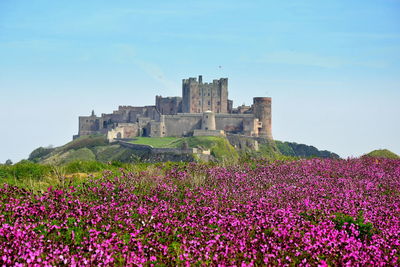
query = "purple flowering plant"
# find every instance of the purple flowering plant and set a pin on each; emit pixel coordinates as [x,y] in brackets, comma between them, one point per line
[307,212]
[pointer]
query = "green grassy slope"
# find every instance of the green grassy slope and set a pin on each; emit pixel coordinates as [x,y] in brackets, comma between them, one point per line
[218,146]
[96,148]
[159,142]
[382,153]
[86,148]
[303,151]
[89,148]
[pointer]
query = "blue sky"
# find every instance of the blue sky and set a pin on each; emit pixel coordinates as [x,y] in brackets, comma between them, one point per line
[331,67]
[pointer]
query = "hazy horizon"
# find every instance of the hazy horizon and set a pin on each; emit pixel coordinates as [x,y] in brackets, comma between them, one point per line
[332,69]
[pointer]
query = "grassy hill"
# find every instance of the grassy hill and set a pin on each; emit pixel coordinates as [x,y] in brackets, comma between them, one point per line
[85,148]
[97,148]
[382,153]
[219,147]
[303,151]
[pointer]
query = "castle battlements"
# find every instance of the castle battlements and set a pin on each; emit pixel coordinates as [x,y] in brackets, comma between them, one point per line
[185,115]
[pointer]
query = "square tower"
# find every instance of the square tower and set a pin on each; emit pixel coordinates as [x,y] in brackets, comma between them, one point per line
[198,97]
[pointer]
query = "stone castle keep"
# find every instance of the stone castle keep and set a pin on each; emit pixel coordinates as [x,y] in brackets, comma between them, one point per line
[203,109]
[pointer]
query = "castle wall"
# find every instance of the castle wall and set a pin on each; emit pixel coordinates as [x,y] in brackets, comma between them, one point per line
[181,124]
[128,114]
[156,129]
[176,116]
[124,130]
[186,123]
[237,123]
[89,125]
[169,105]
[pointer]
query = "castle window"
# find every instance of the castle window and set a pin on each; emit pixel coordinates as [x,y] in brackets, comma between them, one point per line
[208,94]
[199,102]
[87,120]
[209,102]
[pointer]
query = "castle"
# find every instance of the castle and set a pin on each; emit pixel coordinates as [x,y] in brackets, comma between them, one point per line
[203,109]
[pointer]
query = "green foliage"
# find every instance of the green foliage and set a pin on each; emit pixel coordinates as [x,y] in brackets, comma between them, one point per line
[159,142]
[382,153]
[86,142]
[40,153]
[85,166]
[314,216]
[220,147]
[267,151]
[24,169]
[366,230]
[96,147]
[303,151]
[83,154]
[285,148]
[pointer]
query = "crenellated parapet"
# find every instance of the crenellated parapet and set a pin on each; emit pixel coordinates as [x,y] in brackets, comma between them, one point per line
[203,109]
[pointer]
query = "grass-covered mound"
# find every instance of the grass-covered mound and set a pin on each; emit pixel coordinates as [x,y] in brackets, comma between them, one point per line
[159,142]
[96,148]
[382,153]
[219,147]
[85,148]
[303,151]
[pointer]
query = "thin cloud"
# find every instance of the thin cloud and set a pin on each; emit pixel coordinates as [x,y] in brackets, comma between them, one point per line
[127,53]
[155,72]
[304,59]
[315,60]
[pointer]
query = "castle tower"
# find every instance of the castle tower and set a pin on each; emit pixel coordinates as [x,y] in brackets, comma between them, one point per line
[208,121]
[198,97]
[262,111]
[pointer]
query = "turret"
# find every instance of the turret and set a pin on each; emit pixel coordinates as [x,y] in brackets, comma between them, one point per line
[262,111]
[208,122]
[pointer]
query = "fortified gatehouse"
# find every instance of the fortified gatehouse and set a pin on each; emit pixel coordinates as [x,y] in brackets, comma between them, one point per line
[203,109]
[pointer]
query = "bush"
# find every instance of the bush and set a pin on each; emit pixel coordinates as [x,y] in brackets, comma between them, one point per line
[366,230]
[39,153]
[25,169]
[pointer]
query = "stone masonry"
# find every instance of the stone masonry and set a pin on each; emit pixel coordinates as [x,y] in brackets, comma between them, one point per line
[204,108]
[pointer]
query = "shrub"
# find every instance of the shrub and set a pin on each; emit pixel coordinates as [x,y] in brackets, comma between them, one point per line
[366,230]
[25,169]
[39,153]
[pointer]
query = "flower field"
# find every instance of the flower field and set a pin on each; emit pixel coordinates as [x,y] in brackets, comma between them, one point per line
[307,212]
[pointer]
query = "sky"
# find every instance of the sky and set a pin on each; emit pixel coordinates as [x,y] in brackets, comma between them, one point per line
[332,68]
